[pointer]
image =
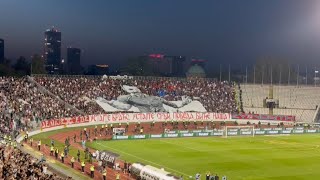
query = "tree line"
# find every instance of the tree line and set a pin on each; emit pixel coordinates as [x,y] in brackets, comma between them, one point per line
[22,66]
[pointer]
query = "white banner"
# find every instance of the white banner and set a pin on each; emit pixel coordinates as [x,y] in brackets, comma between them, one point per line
[138,117]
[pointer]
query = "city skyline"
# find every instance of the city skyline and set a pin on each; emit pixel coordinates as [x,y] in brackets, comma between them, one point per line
[108,32]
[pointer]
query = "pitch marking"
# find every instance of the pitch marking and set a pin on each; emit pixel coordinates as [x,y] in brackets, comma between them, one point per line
[143,159]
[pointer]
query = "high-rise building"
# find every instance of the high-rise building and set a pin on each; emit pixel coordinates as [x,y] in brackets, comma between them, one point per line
[178,65]
[52,50]
[1,51]
[73,61]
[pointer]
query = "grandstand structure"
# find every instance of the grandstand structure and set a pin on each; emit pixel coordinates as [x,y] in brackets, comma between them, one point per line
[50,96]
[43,103]
[82,91]
[299,101]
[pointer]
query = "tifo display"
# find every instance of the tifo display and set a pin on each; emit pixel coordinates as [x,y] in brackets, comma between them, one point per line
[76,111]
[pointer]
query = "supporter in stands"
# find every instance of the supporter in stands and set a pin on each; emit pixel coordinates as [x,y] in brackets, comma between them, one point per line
[22,102]
[82,91]
[18,165]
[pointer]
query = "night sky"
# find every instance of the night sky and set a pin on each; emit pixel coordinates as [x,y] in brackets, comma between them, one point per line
[220,31]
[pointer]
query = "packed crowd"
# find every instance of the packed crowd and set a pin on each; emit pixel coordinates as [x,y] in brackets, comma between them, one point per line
[22,102]
[23,105]
[82,91]
[79,92]
[15,164]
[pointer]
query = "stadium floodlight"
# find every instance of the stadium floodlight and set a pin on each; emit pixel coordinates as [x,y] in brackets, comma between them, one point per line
[247,130]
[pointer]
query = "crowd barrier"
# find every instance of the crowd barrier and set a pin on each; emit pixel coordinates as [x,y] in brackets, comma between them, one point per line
[55,124]
[231,132]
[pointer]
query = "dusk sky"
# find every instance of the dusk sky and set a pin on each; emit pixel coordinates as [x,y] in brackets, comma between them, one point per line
[220,31]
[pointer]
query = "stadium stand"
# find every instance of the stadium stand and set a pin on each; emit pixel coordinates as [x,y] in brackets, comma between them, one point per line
[15,164]
[82,91]
[301,102]
[26,101]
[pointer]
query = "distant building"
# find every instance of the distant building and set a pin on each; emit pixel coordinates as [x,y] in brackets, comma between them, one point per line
[52,50]
[73,61]
[196,71]
[200,62]
[167,65]
[98,69]
[177,63]
[1,51]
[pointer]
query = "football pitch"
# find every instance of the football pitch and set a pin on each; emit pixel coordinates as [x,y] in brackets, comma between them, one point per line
[244,158]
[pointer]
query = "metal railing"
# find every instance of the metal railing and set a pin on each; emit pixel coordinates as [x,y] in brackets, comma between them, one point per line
[156,78]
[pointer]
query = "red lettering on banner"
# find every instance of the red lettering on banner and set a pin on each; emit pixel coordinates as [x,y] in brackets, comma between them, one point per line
[240,116]
[223,116]
[64,121]
[183,116]
[54,122]
[163,116]
[281,118]
[88,119]
[143,116]
[291,118]
[71,121]
[81,119]
[255,116]
[202,116]
[77,120]
[45,124]
[263,117]
[120,117]
[97,117]
[106,117]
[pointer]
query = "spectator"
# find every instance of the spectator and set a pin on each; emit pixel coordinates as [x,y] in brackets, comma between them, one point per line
[18,165]
[82,91]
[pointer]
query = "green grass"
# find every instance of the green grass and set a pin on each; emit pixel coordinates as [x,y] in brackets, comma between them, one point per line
[294,157]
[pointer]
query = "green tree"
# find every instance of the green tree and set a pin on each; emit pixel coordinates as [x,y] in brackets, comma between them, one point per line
[37,65]
[22,66]
[138,66]
[6,69]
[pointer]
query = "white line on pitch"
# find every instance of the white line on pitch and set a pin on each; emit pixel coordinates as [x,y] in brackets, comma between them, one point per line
[143,159]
